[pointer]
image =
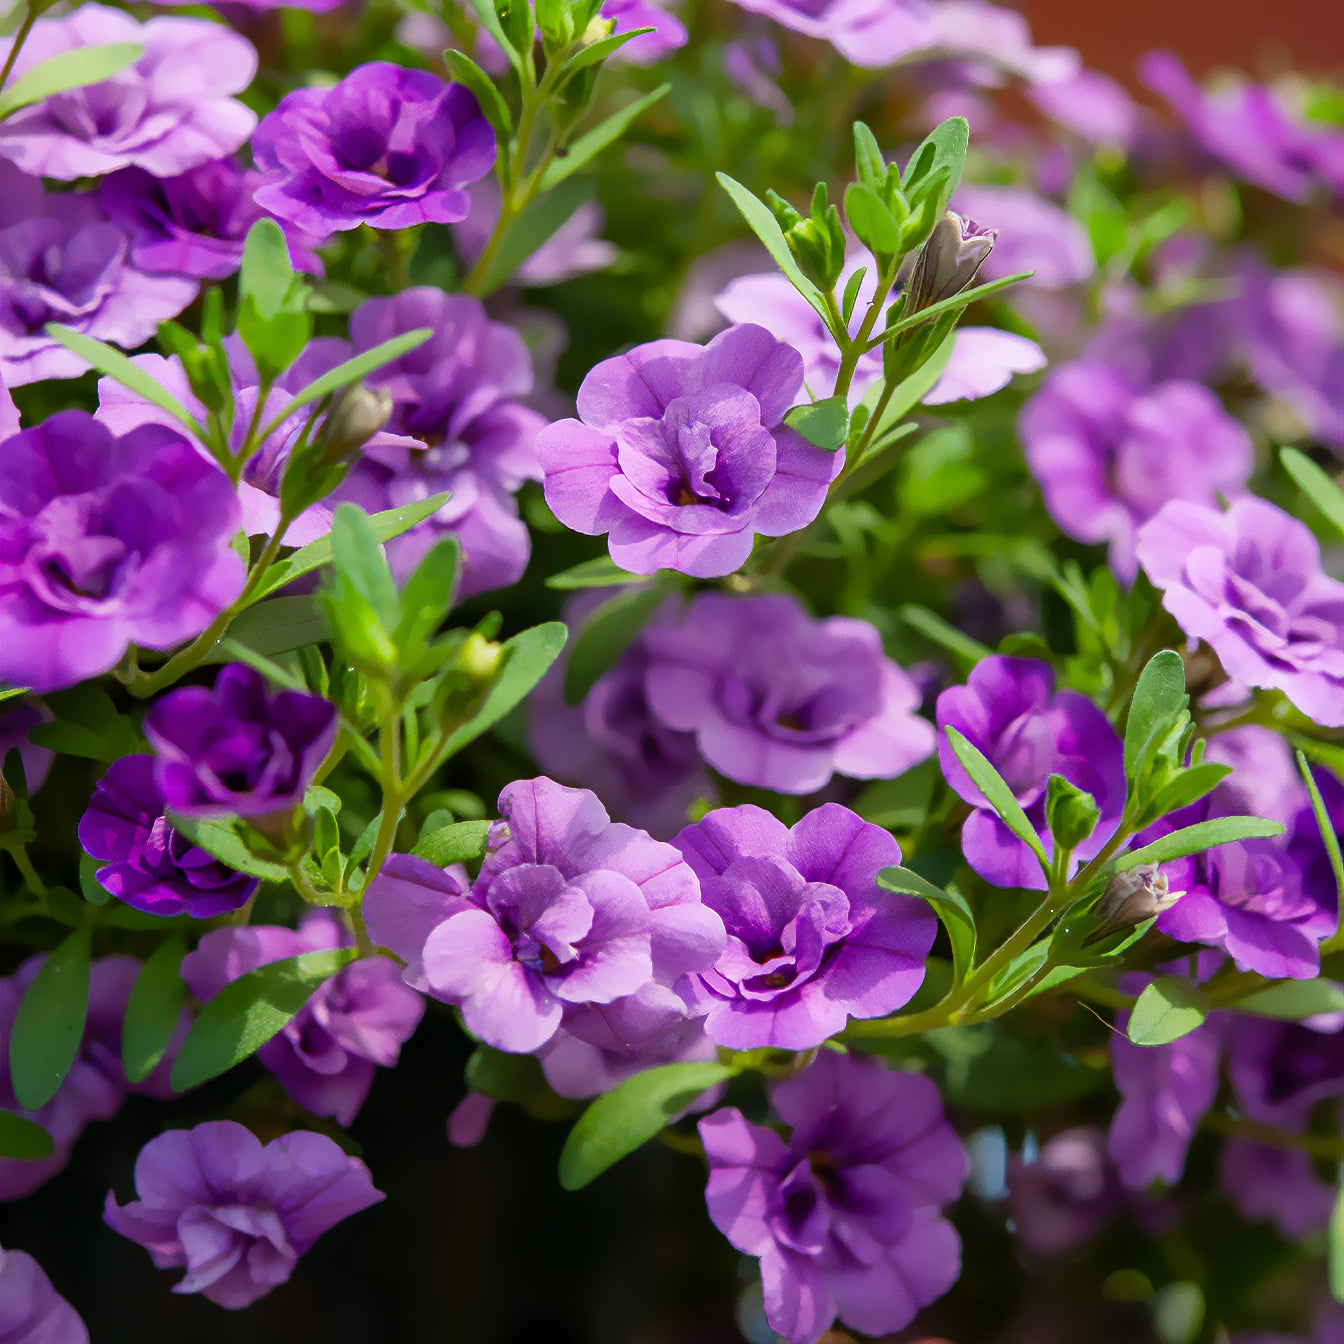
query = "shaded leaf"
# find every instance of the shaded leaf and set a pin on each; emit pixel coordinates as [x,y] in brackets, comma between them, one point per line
[153,1009]
[49,1024]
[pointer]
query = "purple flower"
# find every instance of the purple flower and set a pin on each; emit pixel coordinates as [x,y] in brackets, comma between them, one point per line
[17,720]
[983,360]
[777,699]
[868,33]
[62,260]
[1249,582]
[326,1054]
[457,405]
[681,455]
[31,1310]
[194,223]
[1108,455]
[1034,235]
[1066,1195]
[9,413]
[387,147]
[168,112]
[108,542]
[1276,1185]
[812,940]
[844,1214]
[234,1214]
[150,865]
[1281,1071]
[1095,106]
[970,31]
[235,748]
[570,910]
[1244,127]
[1010,711]
[754,65]
[669,33]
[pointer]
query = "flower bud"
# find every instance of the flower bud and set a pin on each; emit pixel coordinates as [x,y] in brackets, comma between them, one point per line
[1130,898]
[355,417]
[949,262]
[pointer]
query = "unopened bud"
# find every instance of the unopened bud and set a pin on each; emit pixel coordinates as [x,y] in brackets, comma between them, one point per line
[949,262]
[354,418]
[1131,898]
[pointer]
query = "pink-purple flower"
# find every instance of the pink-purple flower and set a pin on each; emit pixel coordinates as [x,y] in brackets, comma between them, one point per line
[388,147]
[812,940]
[680,454]
[843,1211]
[783,701]
[234,1214]
[108,542]
[31,1310]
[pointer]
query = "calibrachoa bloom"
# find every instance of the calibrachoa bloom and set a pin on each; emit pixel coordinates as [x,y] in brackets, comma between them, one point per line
[1067,1194]
[235,748]
[169,111]
[1009,710]
[1249,583]
[150,865]
[234,1214]
[680,454]
[31,1310]
[780,700]
[569,909]
[17,719]
[843,1214]
[326,1053]
[462,427]
[108,542]
[62,260]
[1109,455]
[812,940]
[387,147]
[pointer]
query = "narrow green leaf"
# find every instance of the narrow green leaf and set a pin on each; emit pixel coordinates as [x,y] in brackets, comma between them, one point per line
[1316,485]
[247,1012]
[1199,837]
[851,294]
[621,1120]
[532,228]
[496,111]
[822,423]
[459,842]
[485,11]
[49,1024]
[73,69]
[764,226]
[1292,1000]
[154,1009]
[997,794]
[221,839]
[937,631]
[23,1138]
[869,165]
[605,635]
[593,142]
[266,274]
[871,221]
[1335,1241]
[279,625]
[909,392]
[1187,787]
[1331,842]
[1169,1008]
[600,50]
[603,572]
[949,906]
[952,305]
[359,559]
[943,150]
[1159,699]
[117,367]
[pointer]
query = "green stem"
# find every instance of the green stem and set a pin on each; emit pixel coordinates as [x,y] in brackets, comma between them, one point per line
[852,350]
[25,28]
[1318,1145]
[19,853]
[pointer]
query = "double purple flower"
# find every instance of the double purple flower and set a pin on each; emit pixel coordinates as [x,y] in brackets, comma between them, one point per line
[31,1310]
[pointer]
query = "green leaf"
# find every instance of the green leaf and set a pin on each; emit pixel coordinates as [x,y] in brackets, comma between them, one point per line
[869,165]
[120,369]
[1199,837]
[496,111]
[23,1138]
[943,150]
[629,1115]
[529,654]
[154,1009]
[1335,1242]
[822,423]
[73,69]
[221,838]
[532,228]
[951,305]
[386,525]
[49,1024]
[937,631]
[1316,485]
[603,572]
[593,142]
[851,294]
[1169,1008]
[605,635]
[460,842]
[951,909]
[1159,701]
[909,392]
[763,224]
[1331,842]
[1292,1000]
[1187,787]
[359,559]
[870,220]
[989,1071]
[600,50]
[279,625]
[247,1012]
[485,11]
[997,794]
[266,275]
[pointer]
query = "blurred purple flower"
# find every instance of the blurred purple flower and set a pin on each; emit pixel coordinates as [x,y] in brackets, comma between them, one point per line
[9,413]
[108,542]
[169,111]
[326,1054]
[1108,454]
[1067,1194]
[844,1214]
[31,1310]
[1092,104]
[388,147]
[780,700]
[869,33]
[753,64]
[235,748]
[237,1215]
[1034,235]
[17,720]
[681,454]
[1010,710]
[457,407]
[669,33]
[1249,582]
[150,865]
[812,940]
